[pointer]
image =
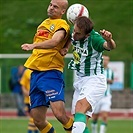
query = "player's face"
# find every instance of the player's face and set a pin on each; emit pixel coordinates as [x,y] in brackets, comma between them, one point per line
[78,34]
[55,9]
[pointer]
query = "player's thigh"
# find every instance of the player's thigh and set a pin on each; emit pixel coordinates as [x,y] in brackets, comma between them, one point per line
[82,106]
[74,100]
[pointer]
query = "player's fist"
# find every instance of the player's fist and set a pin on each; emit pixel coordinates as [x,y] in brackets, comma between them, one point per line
[27,47]
[106,34]
[64,51]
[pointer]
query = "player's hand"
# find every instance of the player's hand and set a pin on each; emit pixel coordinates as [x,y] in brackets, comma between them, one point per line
[27,47]
[64,51]
[106,34]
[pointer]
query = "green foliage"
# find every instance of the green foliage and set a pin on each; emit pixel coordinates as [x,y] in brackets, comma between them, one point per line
[20,126]
[19,20]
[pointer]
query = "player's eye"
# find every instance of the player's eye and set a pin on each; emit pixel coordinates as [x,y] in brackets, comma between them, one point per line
[56,7]
[50,4]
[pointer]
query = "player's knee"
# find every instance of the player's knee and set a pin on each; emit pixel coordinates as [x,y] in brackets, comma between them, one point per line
[40,124]
[83,106]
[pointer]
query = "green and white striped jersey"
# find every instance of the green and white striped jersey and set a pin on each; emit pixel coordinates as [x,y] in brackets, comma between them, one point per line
[109,76]
[87,55]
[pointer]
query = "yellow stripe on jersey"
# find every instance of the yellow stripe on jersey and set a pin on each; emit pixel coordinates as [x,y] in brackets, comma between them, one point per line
[48,59]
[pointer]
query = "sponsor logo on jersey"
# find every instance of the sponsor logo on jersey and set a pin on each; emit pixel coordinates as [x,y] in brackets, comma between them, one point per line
[43,33]
[83,52]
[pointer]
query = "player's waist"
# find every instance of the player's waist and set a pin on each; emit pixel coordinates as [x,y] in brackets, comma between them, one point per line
[39,68]
[91,73]
[44,64]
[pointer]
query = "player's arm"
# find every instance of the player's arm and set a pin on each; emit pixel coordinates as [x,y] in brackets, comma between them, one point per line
[47,44]
[65,49]
[25,91]
[109,44]
[109,81]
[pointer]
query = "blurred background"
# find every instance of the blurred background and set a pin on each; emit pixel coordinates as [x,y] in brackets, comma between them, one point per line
[19,20]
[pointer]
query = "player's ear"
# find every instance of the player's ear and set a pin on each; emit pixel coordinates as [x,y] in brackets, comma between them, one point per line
[63,11]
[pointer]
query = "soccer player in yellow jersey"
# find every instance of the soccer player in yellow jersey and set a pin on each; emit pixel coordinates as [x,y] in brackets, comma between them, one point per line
[47,83]
[25,83]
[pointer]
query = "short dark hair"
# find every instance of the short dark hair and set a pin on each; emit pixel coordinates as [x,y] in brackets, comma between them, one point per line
[84,23]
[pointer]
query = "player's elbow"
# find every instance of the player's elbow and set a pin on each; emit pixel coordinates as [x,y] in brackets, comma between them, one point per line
[112,47]
[112,44]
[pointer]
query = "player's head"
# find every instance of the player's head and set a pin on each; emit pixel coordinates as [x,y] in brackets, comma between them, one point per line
[82,28]
[57,8]
[106,60]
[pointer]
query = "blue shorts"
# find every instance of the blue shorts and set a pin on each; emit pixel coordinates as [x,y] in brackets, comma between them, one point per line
[46,86]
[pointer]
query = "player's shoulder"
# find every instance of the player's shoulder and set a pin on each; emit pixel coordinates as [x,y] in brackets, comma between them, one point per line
[57,21]
[96,37]
[94,33]
[62,21]
[51,21]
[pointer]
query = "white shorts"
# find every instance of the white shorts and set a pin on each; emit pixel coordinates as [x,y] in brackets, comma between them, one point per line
[90,87]
[103,105]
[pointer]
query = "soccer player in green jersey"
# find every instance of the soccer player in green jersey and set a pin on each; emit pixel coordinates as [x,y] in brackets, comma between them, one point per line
[90,85]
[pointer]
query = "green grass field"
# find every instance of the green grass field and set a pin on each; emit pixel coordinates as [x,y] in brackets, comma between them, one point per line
[20,126]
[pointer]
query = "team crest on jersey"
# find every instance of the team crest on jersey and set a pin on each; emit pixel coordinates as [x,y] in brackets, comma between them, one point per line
[52,27]
[47,22]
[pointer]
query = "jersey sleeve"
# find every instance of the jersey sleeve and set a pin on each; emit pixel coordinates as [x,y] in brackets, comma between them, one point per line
[63,25]
[98,42]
